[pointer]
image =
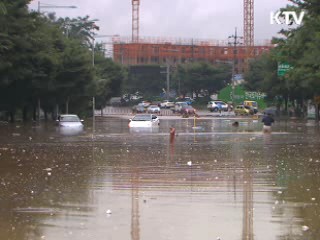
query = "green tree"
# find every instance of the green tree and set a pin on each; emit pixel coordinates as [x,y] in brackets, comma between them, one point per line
[299,47]
[144,79]
[195,77]
[109,78]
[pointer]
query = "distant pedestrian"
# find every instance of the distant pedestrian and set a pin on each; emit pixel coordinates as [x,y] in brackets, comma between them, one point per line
[219,105]
[267,123]
[235,124]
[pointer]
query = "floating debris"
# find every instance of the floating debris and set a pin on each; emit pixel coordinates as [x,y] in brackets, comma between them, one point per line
[189,163]
[305,228]
[108,212]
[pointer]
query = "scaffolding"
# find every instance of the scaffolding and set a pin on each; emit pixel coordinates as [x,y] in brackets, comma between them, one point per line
[152,50]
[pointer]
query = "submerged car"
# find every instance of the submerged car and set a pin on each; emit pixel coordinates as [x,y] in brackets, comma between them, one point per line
[144,120]
[70,121]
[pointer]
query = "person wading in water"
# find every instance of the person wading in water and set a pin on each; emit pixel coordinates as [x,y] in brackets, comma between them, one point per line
[267,123]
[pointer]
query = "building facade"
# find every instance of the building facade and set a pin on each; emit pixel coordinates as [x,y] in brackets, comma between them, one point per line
[151,52]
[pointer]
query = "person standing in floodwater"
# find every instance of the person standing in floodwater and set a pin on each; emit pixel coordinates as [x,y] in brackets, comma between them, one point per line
[267,123]
[172,134]
[219,105]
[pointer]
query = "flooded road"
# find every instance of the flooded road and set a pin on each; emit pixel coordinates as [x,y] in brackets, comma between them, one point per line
[214,181]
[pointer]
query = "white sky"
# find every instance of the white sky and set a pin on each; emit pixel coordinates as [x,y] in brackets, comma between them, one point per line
[209,19]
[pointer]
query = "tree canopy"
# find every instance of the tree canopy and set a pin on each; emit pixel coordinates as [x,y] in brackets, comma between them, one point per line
[49,60]
[199,76]
[299,47]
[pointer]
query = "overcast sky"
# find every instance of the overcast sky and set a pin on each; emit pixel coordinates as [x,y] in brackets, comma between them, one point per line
[209,19]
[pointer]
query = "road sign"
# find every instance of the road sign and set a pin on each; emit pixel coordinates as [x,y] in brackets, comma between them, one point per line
[283,68]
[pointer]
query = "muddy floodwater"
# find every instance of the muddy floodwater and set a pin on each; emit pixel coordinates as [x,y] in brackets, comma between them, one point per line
[214,181]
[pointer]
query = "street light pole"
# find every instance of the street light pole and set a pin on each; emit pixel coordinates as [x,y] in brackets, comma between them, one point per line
[168,79]
[235,41]
[51,6]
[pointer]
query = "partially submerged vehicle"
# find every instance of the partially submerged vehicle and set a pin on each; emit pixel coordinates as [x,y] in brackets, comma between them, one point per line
[69,121]
[69,124]
[144,120]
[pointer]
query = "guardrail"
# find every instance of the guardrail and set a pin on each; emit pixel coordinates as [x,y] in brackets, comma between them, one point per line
[110,111]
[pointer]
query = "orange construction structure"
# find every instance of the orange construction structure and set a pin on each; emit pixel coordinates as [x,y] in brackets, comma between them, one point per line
[161,51]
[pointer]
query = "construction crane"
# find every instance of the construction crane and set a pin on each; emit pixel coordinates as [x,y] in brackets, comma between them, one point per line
[248,28]
[248,23]
[135,20]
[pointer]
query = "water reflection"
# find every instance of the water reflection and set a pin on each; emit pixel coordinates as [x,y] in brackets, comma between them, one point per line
[144,130]
[70,131]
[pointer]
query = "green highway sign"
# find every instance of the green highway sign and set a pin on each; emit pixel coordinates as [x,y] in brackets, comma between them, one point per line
[283,68]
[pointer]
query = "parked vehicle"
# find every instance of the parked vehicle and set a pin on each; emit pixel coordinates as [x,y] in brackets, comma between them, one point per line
[188,110]
[138,108]
[167,104]
[252,104]
[144,120]
[243,110]
[178,107]
[153,109]
[213,106]
[188,100]
[145,104]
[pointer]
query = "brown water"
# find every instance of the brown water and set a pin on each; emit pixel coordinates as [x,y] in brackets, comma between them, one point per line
[241,184]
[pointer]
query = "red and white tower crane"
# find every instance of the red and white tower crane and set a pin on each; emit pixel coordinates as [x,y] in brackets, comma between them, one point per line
[135,20]
[248,23]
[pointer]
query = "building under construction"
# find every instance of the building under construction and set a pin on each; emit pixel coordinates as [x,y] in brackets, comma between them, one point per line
[137,50]
[151,51]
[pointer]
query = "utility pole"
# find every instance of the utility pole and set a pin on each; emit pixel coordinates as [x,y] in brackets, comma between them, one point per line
[168,79]
[168,68]
[93,117]
[234,40]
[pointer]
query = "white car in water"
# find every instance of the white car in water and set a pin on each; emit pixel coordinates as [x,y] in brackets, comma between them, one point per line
[69,124]
[144,120]
[70,121]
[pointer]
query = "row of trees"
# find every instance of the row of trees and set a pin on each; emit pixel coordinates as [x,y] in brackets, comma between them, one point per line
[195,77]
[299,47]
[48,61]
